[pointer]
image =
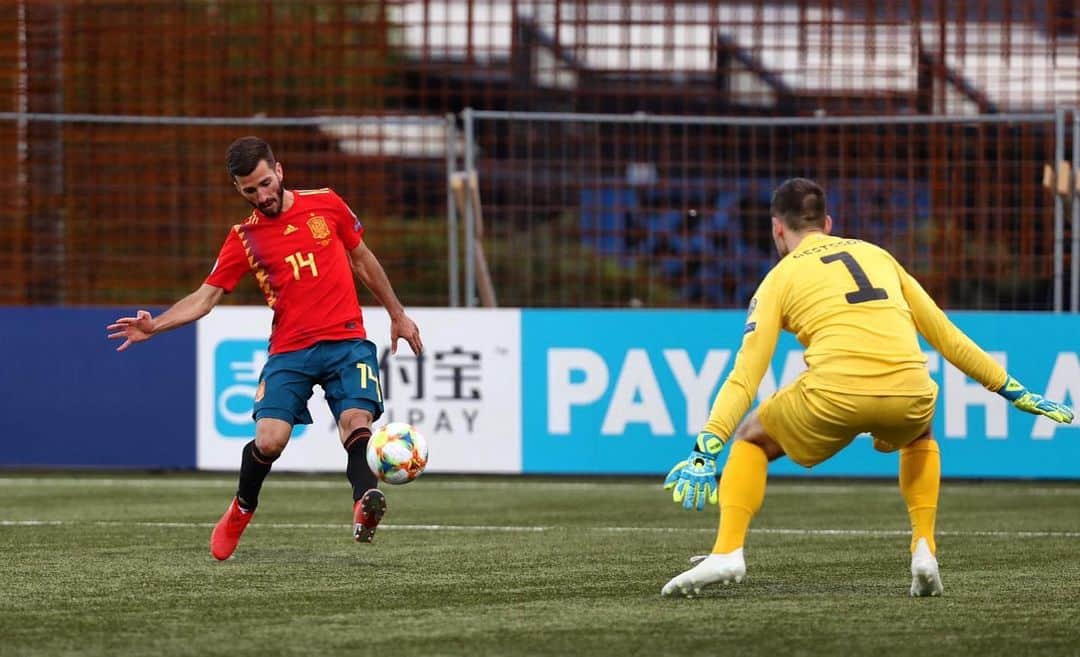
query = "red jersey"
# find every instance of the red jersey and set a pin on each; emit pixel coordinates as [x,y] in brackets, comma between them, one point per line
[300,260]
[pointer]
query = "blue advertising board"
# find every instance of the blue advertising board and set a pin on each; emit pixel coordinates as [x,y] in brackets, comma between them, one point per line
[601,392]
[70,400]
[623,392]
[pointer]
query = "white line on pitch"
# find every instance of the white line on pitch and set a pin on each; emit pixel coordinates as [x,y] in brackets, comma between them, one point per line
[779,488]
[541,528]
[140,482]
[272,525]
[783,487]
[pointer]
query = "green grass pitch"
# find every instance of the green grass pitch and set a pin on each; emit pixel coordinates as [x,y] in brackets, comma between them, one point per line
[119,565]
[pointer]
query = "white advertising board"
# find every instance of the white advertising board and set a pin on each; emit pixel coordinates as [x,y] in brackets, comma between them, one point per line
[463,393]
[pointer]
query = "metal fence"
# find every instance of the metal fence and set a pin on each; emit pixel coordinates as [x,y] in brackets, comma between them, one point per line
[641,210]
[133,209]
[579,210]
[117,196]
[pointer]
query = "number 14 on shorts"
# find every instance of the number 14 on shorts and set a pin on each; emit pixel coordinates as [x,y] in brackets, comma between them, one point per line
[369,377]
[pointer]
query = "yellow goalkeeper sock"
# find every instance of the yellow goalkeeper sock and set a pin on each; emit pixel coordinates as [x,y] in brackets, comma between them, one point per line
[742,490]
[920,482]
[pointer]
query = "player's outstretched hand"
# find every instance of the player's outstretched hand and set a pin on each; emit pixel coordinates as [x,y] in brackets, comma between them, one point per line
[403,327]
[1036,403]
[1031,402]
[132,329]
[692,481]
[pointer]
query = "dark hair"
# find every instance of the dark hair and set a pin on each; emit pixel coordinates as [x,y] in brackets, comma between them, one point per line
[800,204]
[244,154]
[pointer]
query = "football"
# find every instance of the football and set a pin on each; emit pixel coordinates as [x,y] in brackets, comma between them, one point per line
[397,453]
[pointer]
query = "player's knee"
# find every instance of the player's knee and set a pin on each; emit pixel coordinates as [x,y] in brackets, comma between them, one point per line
[269,449]
[884,447]
[352,420]
[271,436]
[750,430]
[753,432]
[271,445]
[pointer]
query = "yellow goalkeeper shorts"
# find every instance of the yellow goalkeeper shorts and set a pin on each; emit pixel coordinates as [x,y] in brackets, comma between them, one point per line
[812,424]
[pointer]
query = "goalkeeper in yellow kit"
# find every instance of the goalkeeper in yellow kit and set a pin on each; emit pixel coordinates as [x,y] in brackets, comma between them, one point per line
[858,314]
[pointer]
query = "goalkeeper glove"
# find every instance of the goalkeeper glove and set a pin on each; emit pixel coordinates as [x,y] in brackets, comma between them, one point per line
[692,481]
[1031,402]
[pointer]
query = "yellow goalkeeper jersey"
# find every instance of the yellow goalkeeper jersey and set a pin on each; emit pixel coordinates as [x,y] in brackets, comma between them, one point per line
[857,313]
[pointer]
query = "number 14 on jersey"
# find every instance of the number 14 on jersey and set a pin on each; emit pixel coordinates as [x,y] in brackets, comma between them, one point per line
[299,261]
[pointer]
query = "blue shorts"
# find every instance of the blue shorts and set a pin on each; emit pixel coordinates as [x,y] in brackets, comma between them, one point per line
[347,370]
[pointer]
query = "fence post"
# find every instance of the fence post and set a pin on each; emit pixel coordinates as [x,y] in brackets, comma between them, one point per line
[1074,195]
[470,230]
[1059,212]
[47,224]
[451,214]
[22,162]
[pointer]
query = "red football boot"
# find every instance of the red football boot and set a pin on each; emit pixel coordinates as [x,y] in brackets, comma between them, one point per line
[227,531]
[367,512]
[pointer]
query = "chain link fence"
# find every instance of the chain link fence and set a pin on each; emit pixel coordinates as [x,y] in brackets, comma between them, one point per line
[640,210]
[579,210]
[118,187]
[133,209]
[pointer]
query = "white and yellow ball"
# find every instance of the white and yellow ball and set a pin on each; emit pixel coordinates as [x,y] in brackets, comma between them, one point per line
[397,453]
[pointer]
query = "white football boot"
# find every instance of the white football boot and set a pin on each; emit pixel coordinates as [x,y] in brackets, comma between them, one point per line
[925,578]
[713,569]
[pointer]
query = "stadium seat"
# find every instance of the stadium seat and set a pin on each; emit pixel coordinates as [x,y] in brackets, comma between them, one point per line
[606,214]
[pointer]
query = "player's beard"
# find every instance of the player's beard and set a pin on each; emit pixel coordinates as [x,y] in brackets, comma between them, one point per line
[273,209]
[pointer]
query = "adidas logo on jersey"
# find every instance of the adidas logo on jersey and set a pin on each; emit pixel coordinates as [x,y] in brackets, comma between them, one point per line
[290,229]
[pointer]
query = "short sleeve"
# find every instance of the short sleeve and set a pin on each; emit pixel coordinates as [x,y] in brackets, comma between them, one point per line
[231,264]
[347,224]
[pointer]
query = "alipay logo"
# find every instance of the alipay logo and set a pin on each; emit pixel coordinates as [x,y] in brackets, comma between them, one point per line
[237,365]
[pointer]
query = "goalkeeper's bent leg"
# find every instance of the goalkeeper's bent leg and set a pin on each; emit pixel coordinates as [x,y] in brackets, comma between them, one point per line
[920,482]
[742,491]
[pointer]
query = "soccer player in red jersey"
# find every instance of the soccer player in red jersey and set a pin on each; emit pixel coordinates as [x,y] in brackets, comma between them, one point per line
[303,247]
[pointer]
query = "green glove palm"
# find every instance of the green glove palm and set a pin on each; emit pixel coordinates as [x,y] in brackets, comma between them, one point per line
[1031,402]
[692,481]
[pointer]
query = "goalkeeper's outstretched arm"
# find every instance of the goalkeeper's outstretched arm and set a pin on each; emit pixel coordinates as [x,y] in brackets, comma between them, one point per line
[961,351]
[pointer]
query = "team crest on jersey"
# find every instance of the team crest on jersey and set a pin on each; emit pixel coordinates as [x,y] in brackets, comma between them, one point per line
[317,226]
